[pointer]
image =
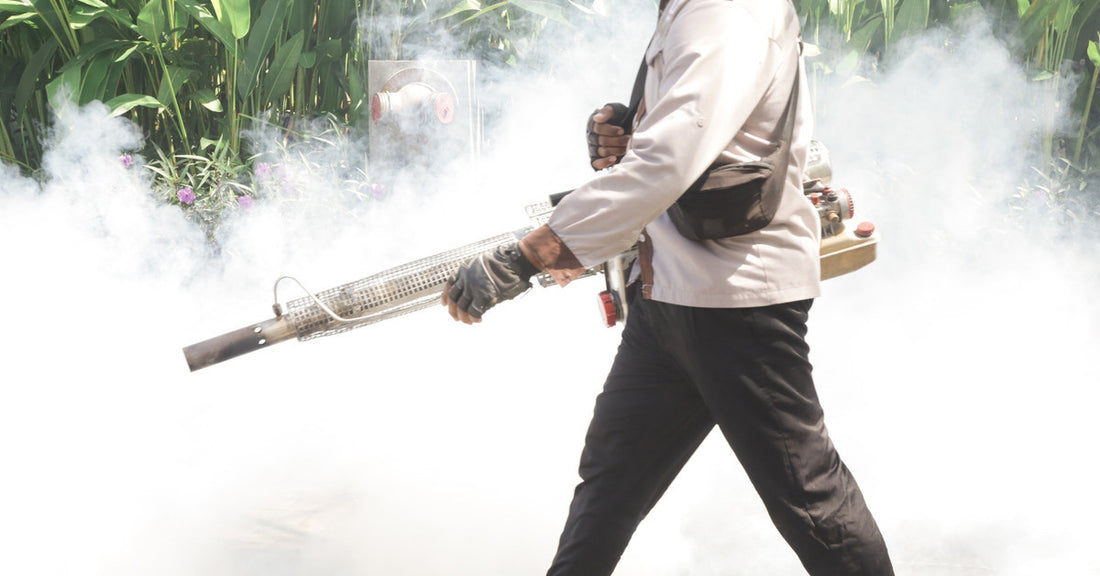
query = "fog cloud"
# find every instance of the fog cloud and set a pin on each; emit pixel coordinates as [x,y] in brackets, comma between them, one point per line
[957,371]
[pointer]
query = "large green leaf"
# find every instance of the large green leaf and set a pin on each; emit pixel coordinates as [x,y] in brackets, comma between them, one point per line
[150,21]
[17,19]
[114,76]
[121,17]
[64,88]
[460,7]
[1034,21]
[1082,19]
[356,87]
[1094,53]
[861,38]
[83,16]
[848,65]
[1063,18]
[484,11]
[235,14]
[912,18]
[16,7]
[122,104]
[336,16]
[171,83]
[220,31]
[260,41]
[94,78]
[551,10]
[28,81]
[282,69]
[889,11]
[58,23]
[328,50]
[125,54]
[208,99]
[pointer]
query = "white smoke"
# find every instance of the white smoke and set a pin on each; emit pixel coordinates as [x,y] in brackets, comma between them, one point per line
[956,371]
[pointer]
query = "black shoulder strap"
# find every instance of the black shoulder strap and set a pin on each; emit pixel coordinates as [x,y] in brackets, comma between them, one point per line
[638,92]
[636,96]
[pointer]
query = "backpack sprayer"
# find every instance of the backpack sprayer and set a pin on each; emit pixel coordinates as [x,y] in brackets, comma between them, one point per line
[848,243]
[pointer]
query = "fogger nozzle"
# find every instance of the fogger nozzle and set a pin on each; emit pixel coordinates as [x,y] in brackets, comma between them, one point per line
[238,342]
[400,290]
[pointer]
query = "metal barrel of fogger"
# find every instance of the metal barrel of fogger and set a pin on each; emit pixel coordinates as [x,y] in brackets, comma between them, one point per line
[394,292]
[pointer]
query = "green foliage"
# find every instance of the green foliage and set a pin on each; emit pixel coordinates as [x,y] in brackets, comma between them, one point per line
[188,70]
[849,38]
[216,182]
[194,74]
[1093,52]
[1046,37]
[1063,195]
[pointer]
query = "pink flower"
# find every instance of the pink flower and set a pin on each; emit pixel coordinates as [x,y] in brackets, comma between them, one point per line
[126,160]
[377,190]
[263,170]
[244,202]
[185,195]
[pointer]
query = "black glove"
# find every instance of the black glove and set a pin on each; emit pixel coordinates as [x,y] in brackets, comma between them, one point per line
[490,278]
[619,118]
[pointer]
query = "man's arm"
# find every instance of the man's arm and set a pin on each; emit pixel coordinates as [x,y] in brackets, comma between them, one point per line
[707,76]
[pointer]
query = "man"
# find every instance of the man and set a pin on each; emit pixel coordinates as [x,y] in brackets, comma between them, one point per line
[716,330]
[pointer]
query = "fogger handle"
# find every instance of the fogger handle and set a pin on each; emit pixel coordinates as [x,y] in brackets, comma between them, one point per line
[238,342]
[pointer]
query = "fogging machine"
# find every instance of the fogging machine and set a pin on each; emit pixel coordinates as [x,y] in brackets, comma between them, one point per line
[848,243]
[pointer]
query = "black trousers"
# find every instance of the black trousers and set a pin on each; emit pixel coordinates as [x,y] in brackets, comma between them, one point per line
[678,372]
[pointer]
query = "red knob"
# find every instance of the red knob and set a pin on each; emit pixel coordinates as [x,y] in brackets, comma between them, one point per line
[865,229]
[607,308]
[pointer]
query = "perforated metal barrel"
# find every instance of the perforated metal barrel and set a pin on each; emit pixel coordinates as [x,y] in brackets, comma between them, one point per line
[400,290]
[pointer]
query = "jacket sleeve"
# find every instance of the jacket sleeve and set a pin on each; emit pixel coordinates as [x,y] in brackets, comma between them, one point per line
[709,65]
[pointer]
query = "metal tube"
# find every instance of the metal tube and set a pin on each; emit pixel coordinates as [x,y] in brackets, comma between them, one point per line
[238,342]
[399,290]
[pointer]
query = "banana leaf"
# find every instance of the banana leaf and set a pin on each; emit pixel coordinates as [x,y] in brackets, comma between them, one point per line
[95,78]
[58,24]
[174,79]
[235,15]
[150,22]
[912,18]
[122,104]
[63,88]
[260,41]
[207,99]
[28,81]
[277,82]
[549,10]
[212,25]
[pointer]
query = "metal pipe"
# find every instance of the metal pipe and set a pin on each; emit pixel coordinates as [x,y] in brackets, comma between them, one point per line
[388,294]
[238,342]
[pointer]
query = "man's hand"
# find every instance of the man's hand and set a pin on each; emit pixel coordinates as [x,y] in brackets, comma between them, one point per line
[486,280]
[608,134]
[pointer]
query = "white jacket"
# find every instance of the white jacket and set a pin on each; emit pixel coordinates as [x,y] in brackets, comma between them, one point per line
[719,78]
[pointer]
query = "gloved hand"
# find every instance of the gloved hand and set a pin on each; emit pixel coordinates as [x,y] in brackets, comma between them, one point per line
[608,133]
[486,280]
